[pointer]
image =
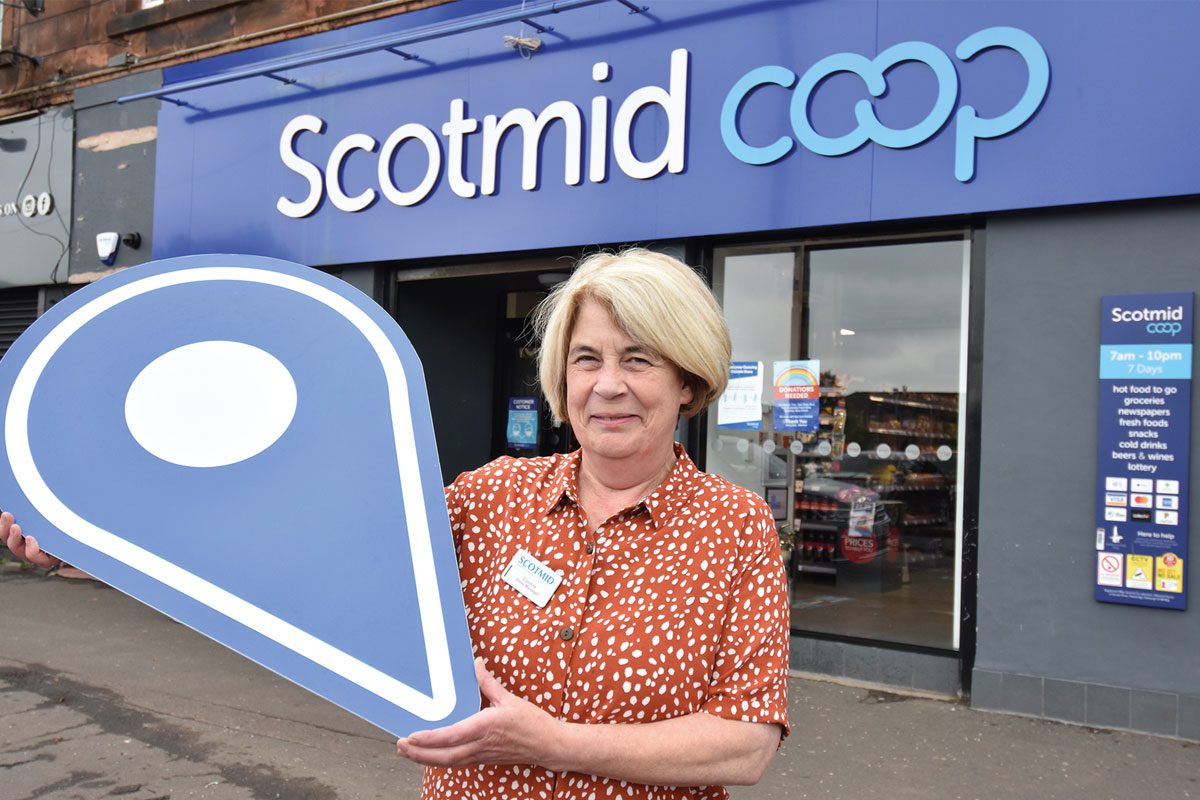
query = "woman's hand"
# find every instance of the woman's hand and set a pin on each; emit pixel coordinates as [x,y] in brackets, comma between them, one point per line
[509,731]
[24,547]
[694,750]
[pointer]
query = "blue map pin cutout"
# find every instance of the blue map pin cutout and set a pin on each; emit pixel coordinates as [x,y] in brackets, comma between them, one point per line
[245,444]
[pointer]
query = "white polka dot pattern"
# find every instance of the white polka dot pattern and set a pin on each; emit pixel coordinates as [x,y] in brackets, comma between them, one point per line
[674,606]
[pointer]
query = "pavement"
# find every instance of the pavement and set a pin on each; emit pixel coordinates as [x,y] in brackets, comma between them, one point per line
[102,697]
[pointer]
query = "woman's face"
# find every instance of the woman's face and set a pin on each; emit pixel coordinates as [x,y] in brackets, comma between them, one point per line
[623,400]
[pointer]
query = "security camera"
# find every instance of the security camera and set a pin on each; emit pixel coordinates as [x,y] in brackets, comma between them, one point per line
[106,246]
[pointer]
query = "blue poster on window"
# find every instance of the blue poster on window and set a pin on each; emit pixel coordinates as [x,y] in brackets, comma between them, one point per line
[522,428]
[740,405]
[1144,440]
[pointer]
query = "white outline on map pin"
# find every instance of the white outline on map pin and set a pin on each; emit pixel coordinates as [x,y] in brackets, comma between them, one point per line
[430,707]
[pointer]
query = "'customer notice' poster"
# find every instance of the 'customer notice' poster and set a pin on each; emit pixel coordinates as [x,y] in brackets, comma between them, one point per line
[522,428]
[1144,437]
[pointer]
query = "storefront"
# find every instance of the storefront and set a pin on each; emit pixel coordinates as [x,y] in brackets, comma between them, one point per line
[909,212]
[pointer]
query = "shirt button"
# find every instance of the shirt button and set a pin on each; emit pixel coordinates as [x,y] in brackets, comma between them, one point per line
[591,548]
[567,634]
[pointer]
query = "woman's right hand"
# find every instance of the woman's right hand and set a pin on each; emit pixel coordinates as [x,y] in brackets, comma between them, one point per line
[24,547]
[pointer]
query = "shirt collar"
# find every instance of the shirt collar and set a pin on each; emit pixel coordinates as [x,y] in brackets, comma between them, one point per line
[675,492]
[662,504]
[564,482]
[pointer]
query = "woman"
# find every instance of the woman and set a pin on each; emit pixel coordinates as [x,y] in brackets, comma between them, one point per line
[652,663]
[655,666]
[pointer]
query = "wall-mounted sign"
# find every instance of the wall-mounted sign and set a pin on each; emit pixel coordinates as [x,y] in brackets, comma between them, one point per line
[1144,441]
[191,431]
[30,205]
[826,113]
[464,134]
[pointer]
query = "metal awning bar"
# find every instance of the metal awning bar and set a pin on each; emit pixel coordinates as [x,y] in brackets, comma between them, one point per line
[535,26]
[389,42]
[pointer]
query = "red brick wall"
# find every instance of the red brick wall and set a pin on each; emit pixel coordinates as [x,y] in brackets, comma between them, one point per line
[75,39]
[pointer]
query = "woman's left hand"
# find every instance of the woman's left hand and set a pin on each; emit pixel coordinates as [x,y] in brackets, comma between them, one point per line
[509,731]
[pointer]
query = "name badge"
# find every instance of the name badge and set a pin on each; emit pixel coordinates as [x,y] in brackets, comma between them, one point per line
[531,578]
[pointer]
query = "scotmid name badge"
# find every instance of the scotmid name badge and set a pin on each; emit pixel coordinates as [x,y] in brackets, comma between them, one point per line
[531,578]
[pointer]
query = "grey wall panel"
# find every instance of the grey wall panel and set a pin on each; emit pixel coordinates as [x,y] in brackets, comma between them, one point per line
[115,148]
[1046,273]
[35,161]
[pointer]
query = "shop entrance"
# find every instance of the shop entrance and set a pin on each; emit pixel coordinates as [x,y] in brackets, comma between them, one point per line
[470,326]
[850,425]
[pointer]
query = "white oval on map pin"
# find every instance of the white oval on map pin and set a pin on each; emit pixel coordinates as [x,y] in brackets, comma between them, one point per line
[210,404]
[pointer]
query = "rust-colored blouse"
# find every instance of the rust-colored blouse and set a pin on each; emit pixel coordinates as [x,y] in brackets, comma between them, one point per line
[673,606]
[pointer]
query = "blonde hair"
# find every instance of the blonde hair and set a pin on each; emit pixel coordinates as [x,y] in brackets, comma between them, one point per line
[658,301]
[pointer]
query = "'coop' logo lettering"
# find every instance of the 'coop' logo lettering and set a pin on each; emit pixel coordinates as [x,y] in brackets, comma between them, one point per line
[969,127]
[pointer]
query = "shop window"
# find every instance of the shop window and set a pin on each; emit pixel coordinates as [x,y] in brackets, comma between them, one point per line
[846,416]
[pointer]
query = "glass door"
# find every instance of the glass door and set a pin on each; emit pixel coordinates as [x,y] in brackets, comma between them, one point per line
[855,353]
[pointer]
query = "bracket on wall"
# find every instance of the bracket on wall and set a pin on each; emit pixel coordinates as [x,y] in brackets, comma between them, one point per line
[10,57]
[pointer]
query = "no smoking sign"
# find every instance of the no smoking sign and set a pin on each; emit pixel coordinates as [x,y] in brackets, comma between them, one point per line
[1108,568]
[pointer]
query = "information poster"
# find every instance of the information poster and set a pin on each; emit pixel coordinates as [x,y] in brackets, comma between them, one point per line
[740,406]
[522,423]
[1144,439]
[862,518]
[797,396]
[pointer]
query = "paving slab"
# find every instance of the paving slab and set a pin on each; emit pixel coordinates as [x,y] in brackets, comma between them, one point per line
[102,697]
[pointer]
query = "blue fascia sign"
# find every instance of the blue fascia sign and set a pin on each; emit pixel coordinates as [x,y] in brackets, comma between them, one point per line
[706,119]
[673,101]
[1144,446]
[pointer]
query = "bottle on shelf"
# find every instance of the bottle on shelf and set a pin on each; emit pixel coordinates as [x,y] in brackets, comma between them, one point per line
[839,417]
[838,438]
